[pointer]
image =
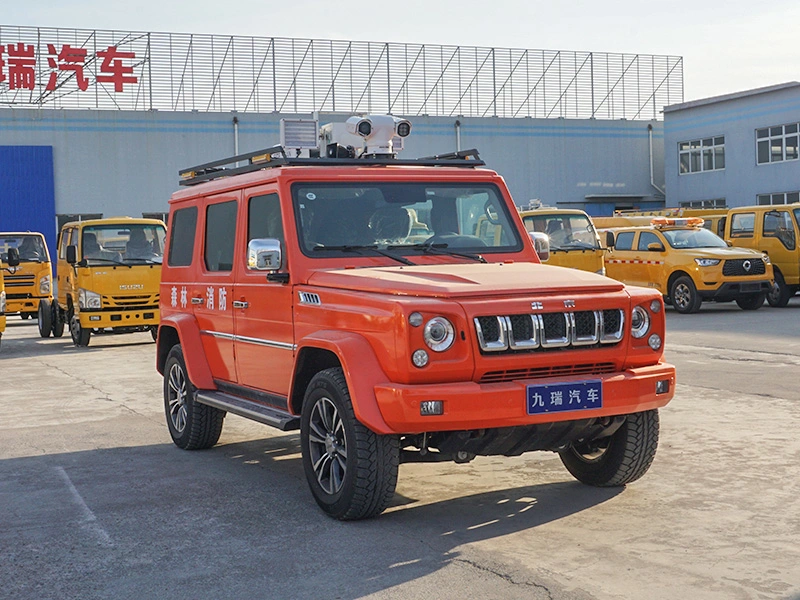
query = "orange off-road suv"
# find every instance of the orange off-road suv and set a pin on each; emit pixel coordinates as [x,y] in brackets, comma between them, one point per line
[363,299]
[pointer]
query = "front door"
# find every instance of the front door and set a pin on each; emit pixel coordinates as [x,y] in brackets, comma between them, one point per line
[263,309]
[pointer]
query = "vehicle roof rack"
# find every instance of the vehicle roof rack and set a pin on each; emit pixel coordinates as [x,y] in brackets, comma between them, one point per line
[277,156]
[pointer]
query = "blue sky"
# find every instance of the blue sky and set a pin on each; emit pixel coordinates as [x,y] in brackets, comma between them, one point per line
[727,46]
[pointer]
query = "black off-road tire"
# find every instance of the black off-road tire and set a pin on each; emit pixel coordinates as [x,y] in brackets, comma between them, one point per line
[192,426]
[619,459]
[154,332]
[45,318]
[58,320]
[751,301]
[780,294]
[366,462]
[684,296]
[80,335]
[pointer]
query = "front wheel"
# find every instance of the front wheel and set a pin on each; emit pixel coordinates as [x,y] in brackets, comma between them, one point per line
[80,335]
[192,425]
[751,301]
[780,293]
[351,470]
[45,318]
[618,459]
[684,296]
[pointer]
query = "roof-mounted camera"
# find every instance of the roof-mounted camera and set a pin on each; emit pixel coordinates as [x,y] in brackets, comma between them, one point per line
[383,134]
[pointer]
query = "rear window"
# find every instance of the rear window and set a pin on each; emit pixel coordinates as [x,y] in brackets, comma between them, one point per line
[220,234]
[624,241]
[182,234]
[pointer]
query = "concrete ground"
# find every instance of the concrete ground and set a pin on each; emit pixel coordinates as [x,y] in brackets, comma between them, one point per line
[96,502]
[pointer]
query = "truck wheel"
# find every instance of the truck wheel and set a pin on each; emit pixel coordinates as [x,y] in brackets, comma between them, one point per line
[45,317]
[58,320]
[618,459]
[351,470]
[80,336]
[193,426]
[751,301]
[780,293]
[684,296]
[154,332]
[24,316]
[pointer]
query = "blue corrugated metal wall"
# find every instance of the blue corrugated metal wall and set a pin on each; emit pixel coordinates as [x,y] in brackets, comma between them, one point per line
[27,196]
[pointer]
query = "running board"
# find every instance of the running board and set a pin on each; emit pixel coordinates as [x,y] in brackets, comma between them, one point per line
[250,410]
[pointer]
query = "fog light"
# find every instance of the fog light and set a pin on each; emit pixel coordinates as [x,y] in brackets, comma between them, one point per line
[415,319]
[431,407]
[94,317]
[419,358]
[654,341]
[662,387]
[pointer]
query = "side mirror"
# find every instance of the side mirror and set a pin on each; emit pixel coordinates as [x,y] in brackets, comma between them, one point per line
[72,254]
[264,255]
[655,247]
[13,257]
[610,239]
[730,243]
[541,243]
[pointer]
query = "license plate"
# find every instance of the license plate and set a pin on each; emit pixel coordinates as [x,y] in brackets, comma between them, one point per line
[564,397]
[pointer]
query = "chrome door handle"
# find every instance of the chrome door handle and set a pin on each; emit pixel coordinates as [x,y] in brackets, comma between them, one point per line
[197,300]
[240,304]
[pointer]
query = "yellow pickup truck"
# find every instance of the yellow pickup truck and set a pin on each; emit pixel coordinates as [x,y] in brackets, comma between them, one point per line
[573,240]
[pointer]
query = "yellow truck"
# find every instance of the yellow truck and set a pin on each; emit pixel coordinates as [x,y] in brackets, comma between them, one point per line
[108,276]
[8,260]
[573,240]
[772,229]
[29,286]
[687,264]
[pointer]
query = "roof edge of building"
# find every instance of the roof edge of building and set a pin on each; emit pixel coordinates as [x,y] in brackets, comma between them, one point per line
[734,96]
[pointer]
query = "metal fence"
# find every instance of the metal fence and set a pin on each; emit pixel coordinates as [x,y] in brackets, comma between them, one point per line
[77,68]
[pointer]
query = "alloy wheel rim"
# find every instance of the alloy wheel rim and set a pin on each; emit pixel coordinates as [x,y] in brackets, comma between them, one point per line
[681,296]
[327,445]
[176,396]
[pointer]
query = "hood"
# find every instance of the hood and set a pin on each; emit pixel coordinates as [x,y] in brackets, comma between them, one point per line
[730,253]
[468,280]
[122,281]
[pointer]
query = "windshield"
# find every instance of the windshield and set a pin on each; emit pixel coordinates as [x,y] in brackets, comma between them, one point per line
[127,244]
[405,218]
[693,238]
[31,248]
[566,232]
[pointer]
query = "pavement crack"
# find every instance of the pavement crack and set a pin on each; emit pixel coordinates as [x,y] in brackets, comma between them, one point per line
[103,394]
[504,576]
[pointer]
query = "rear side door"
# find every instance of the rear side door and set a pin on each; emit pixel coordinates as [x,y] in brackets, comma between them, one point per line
[262,308]
[211,293]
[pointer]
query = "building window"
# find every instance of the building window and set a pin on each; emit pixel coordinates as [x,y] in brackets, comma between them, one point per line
[715,203]
[777,144]
[697,156]
[779,198]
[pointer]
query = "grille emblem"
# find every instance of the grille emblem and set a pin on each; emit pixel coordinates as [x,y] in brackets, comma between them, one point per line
[536,306]
[747,265]
[569,303]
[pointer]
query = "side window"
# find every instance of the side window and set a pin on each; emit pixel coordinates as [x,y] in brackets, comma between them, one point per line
[778,224]
[624,241]
[63,243]
[646,238]
[264,218]
[742,225]
[181,239]
[220,234]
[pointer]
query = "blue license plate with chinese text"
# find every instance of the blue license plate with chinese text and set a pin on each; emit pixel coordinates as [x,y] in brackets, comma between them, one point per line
[564,397]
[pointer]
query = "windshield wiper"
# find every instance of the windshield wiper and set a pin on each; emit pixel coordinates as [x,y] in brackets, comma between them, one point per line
[441,249]
[576,244]
[149,261]
[85,262]
[360,249]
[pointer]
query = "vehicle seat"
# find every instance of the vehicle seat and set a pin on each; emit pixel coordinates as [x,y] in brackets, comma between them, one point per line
[390,224]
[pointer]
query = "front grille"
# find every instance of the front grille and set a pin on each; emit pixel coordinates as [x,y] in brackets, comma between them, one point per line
[19,280]
[739,267]
[18,296]
[130,301]
[541,372]
[513,333]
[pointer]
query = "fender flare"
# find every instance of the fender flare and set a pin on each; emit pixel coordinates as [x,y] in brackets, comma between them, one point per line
[362,371]
[192,345]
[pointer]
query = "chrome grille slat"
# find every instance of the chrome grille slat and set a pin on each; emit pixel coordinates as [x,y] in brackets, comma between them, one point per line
[549,331]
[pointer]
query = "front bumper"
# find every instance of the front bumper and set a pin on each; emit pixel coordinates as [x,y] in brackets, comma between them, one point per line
[25,305]
[470,405]
[146,316]
[734,289]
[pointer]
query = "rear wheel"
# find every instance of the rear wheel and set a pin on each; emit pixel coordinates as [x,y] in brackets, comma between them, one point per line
[780,293]
[24,316]
[684,296]
[45,318]
[751,301]
[58,320]
[618,459]
[192,426]
[351,470]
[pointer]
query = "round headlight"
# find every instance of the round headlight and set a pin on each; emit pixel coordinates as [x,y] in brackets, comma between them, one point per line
[419,358]
[640,322]
[415,319]
[439,334]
